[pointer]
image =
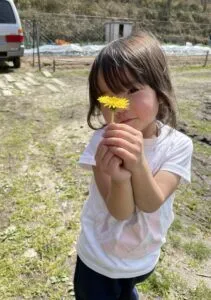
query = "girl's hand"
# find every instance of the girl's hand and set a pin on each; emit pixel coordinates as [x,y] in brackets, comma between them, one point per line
[126,143]
[110,164]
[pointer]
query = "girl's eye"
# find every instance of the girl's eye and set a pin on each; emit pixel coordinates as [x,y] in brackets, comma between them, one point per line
[133,90]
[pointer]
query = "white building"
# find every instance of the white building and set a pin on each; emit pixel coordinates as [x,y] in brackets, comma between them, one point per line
[117,29]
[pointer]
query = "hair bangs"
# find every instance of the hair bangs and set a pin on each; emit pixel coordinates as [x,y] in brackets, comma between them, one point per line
[114,68]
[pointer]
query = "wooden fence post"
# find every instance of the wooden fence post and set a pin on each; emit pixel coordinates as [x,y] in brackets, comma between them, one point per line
[38,44]
[54,65]
[206,59]
[33,42]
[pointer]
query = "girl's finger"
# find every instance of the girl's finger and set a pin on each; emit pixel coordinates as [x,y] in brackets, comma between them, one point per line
[119,126]
[106,159]
[101,151]
[124,144]
[114,162]
[123,135]
[123,154]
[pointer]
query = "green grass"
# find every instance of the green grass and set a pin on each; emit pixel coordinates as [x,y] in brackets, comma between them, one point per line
[191,68]
[31,209]
[177,225]
[169,285]
[201,292]
[201,127]
[202,149]
[162,283]
[197,250]
[175,240]
[36,223]
[72,73]
[42,191]
[190,202]
[192,230]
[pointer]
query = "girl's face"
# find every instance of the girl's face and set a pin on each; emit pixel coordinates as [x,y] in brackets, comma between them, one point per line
[142,111]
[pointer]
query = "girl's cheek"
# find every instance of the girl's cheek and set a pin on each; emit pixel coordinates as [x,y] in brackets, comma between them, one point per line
[136,103]
[144,104]
[135,97]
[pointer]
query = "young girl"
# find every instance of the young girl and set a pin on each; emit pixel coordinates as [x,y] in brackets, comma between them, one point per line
[138,162]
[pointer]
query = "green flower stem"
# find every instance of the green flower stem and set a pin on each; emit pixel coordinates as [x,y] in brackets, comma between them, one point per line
[112,115]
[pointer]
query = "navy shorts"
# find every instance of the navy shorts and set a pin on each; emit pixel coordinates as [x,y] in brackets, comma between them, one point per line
[90,285]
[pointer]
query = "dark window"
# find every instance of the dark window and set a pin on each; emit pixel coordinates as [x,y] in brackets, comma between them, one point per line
[121,30]
[6,13]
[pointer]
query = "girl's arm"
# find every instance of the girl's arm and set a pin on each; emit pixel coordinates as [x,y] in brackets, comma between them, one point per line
[151,192]
[146,191]
[114,183]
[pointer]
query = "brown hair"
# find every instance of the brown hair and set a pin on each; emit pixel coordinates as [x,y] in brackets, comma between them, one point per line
[141,57]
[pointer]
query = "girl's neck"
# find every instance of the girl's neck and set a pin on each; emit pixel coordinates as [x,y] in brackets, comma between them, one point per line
[151,131]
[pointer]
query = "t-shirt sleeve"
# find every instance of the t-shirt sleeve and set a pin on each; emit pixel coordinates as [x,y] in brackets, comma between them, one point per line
[178,157]
[87,158]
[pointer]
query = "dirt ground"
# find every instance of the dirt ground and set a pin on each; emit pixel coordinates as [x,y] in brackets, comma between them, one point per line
[53,106]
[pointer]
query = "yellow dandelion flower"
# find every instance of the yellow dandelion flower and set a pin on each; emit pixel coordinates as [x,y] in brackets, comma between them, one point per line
[113,103]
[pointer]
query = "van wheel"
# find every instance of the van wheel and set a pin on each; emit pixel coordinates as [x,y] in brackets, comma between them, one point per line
[17,62]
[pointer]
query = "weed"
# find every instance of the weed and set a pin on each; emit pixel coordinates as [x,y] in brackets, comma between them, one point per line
[192,230]
[198,250]
[200,292]
[190,68]
[175,240]
[177,225]
[202,148]
[162,282]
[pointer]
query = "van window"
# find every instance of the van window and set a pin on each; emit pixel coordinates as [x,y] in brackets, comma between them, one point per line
[6,13]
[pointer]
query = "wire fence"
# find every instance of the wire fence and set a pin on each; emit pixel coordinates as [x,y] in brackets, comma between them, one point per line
[69,28]
[91,29]
[59,29]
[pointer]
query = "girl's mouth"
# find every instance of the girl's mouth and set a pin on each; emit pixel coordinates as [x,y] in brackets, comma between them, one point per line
[126,121]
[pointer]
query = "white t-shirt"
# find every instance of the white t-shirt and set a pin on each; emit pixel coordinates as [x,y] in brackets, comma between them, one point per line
[130,248]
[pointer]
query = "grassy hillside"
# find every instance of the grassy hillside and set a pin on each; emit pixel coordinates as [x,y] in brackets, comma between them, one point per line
[121,8]
[179,22]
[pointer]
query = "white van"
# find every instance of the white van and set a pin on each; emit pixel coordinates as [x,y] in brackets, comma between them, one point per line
[11,34]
